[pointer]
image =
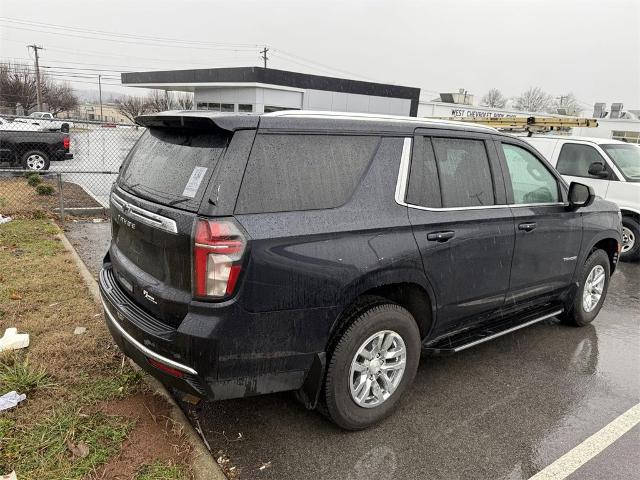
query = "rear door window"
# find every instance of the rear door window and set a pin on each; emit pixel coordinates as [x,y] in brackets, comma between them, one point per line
[172,167]
[303,172]
[464,172]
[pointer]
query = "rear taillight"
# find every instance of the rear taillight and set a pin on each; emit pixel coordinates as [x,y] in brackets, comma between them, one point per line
[66,142]
[217,253]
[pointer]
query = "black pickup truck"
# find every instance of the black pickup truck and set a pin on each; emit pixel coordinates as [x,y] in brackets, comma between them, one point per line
[21,147]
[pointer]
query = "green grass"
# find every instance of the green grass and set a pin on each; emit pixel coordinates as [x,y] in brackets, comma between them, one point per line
[41,452]
[122,384]
[31,237]
[45,189]
[34,180]
[16,374]
[160,471]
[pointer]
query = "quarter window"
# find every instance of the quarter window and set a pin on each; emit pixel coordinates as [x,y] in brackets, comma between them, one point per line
[423,188]
[303,172]
[575,158]
[530,179]
[464,172]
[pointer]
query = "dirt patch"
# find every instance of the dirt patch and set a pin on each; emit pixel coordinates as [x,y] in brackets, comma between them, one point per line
[17,196]
[146,443]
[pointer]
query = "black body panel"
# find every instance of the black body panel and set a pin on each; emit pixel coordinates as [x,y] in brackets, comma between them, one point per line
[302,270]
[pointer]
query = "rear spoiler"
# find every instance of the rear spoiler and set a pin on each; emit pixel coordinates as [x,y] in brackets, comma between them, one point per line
[199,120]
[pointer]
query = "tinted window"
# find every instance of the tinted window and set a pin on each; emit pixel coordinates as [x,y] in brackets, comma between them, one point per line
[574,159]
[423,189]
[172,166]
[530,179]
[303,172]
[464,172]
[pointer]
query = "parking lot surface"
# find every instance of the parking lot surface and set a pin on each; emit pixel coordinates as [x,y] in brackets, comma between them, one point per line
[502,410]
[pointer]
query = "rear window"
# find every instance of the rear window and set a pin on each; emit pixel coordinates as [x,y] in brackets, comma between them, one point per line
[303,172]
[172,167]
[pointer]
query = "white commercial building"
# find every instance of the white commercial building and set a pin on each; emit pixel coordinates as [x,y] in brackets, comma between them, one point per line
[260,90]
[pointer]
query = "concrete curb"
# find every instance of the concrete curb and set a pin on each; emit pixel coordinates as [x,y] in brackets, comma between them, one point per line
[203,465]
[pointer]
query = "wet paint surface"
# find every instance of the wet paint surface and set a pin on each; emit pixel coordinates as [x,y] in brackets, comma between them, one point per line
[502,410]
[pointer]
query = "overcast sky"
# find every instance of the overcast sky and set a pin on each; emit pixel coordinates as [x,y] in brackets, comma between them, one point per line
[590,48]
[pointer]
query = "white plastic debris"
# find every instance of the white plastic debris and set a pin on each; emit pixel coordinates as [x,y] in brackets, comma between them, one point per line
[4,219]
[9,476]
[12,340]
[11,399]
[79,330]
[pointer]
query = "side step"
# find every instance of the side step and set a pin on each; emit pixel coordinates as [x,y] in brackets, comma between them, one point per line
[470,338]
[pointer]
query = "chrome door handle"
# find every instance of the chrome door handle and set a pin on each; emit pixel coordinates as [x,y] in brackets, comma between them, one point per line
[527,227]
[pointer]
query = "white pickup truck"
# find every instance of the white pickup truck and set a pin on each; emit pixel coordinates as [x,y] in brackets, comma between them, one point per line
[46,121]
[611,167]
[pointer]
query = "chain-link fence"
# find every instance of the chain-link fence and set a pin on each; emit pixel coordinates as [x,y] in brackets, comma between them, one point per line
[62,165]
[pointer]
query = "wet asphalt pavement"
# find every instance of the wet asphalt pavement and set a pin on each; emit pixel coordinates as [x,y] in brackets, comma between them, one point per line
[502,410]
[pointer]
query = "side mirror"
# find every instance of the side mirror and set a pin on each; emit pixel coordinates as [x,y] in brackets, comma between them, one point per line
[597,170]
[580,195]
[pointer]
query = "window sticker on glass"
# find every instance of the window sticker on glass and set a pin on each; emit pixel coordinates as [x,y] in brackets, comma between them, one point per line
[194,182]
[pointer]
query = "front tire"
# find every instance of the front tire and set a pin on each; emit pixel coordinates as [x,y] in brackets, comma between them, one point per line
[630,240]
[374,361]
[592,290]
[35,160]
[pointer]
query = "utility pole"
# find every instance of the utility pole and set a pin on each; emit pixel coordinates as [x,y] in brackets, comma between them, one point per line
[38,86]
[100,94]
[264,56]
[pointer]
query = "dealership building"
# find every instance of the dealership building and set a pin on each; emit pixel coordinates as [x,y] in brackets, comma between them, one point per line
[263,90]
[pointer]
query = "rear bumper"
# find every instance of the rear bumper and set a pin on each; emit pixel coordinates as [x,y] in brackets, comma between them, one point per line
[61,155]
[213,357]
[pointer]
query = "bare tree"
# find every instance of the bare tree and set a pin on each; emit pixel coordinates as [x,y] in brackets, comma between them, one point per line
[160,101]
[17,85]
[494,99]
[131,107]
[184,101]
[534,99]
[566,104]
[59,96]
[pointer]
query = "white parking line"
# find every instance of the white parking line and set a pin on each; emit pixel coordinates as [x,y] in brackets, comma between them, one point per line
[596,443]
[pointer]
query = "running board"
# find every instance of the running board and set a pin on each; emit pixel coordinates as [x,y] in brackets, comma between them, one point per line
[470,338]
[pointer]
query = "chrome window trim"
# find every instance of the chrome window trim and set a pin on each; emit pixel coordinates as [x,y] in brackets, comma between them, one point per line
[403,180]
[146,351]
[144,216]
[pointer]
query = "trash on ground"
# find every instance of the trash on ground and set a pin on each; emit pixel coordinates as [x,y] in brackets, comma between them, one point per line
[11,399]
[12,340]
[79,450]
[265,465]
[97,220]
[79,330]
[9,476]
[4,219]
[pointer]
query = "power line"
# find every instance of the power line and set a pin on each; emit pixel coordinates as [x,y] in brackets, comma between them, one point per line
[128,35]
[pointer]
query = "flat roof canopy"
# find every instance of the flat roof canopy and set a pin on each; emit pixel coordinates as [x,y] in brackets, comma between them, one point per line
[225,77]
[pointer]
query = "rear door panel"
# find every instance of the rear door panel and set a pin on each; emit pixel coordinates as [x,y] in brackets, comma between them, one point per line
[470,271]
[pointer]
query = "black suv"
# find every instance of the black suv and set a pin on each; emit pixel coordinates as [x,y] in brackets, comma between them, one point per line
[323,253]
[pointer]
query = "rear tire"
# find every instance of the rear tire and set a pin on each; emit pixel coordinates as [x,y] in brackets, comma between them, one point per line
[35,160]
[385,328]
[630,240]
[592,290]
